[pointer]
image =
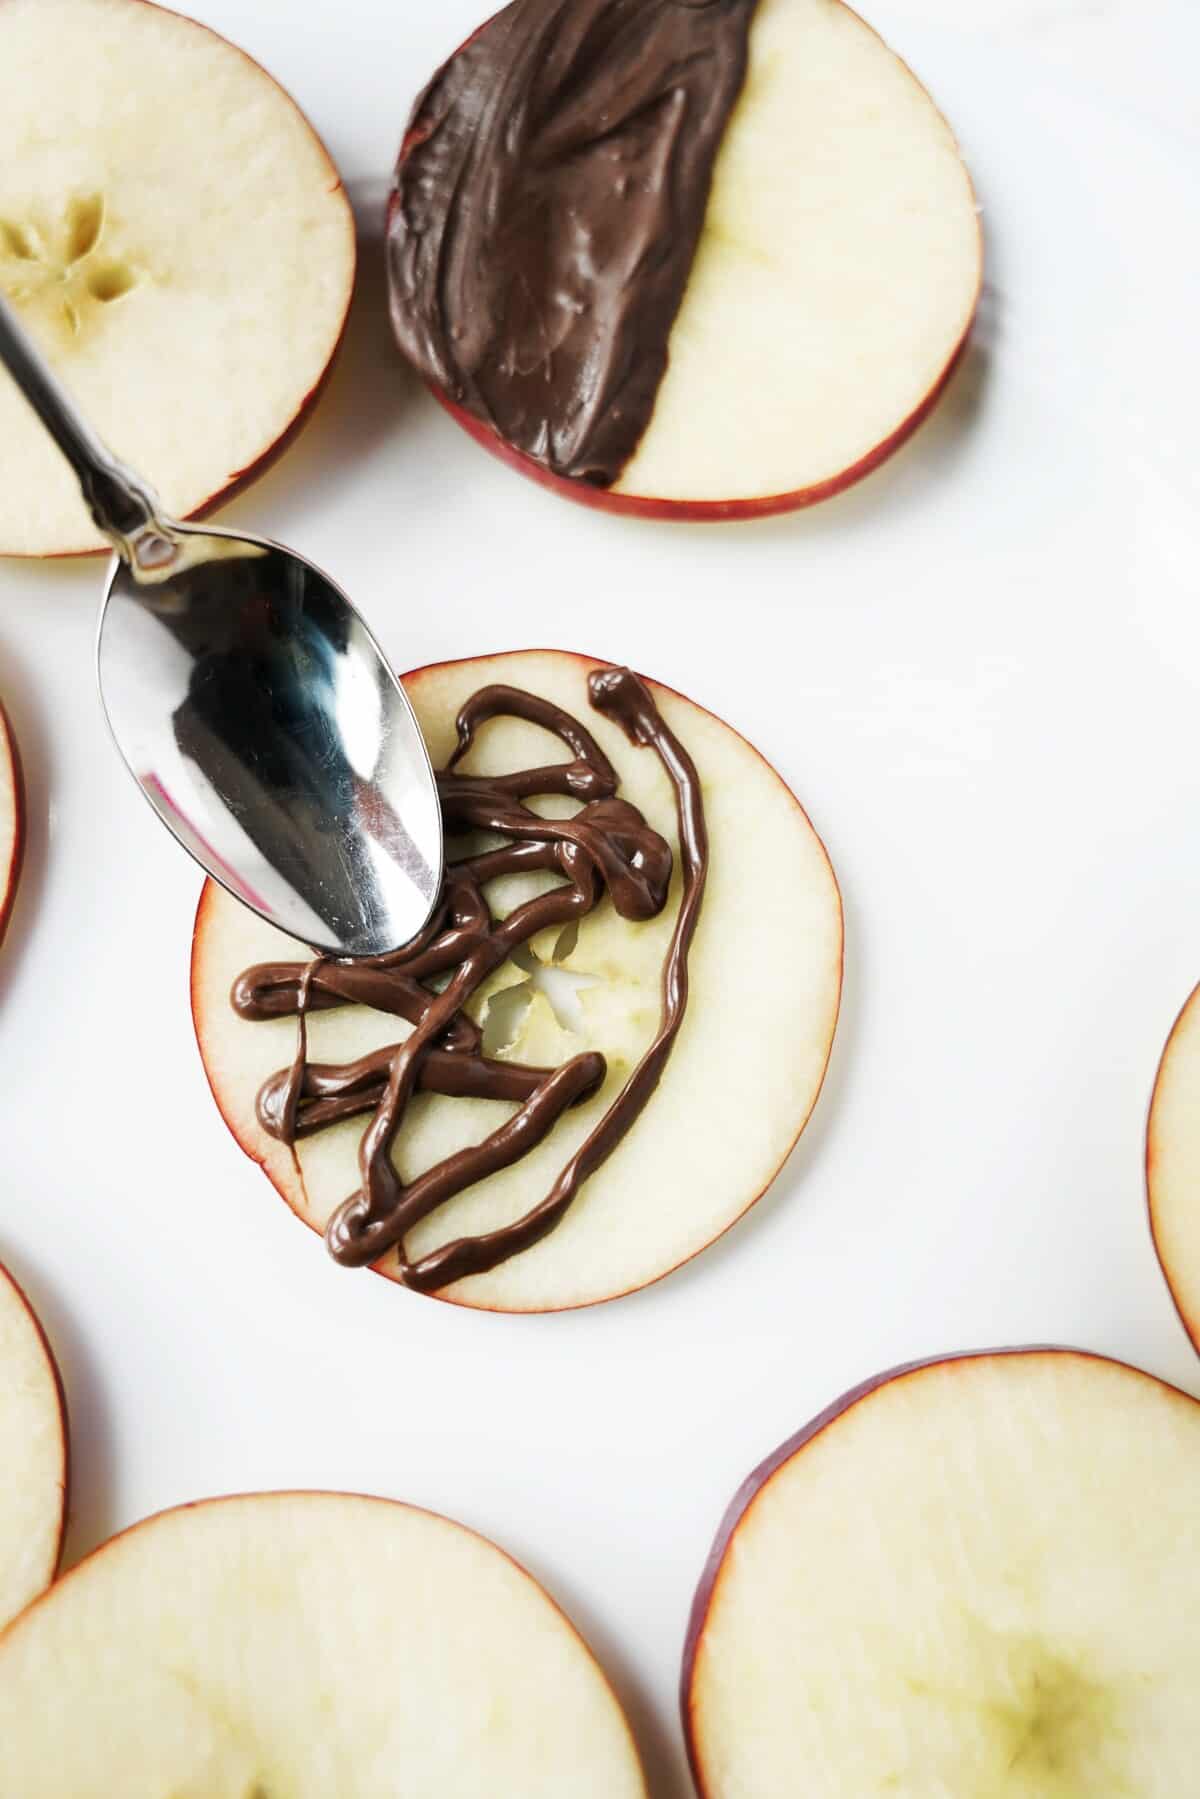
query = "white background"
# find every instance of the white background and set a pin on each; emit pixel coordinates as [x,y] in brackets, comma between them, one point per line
[979,670]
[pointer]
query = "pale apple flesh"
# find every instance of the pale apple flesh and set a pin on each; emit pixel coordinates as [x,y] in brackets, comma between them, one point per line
[33,1455]
[833,287]
[1173,1165]
[300,1646]
[12,821]
[739,1086]
[184,256]
[974,1578]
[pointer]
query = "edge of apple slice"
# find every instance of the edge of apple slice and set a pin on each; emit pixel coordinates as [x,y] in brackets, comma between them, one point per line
[287,1493]
[12,1292]
[256,1151]
[12,777]
[1188,1013]
[756,1482]
[706,512]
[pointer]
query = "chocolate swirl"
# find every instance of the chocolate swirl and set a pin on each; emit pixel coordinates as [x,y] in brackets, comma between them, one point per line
[606,847]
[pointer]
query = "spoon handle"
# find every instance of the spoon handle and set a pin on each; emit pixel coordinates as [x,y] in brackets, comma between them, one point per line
[121,503]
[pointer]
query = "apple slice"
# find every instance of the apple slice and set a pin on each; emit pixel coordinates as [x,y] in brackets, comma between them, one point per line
[12,821]
[302,1645]
[745,1071]
[969,1577]
[33,1455]
[685,261]
[1173,1165]
[176,238]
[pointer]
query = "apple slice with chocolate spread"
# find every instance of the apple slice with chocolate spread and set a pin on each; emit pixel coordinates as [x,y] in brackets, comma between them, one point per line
[602,1049]
[1173,1165]
[33,1456]
[12,820]
[305,1646]
[684,258]
[970,1578]
[176,239]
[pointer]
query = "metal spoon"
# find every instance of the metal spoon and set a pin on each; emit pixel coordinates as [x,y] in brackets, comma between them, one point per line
[254,708]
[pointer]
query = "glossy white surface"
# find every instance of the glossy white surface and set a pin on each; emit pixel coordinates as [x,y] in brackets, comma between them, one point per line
[980,671]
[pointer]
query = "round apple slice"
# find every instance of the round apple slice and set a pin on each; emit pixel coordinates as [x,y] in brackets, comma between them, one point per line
[305,1645]
[12,821]
[684,261]
[739,1084]
[1173,1165]
[968,1577]
[33,1455]
[176,238]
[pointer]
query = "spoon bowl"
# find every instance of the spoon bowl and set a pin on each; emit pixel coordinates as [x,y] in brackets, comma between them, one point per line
[262,722]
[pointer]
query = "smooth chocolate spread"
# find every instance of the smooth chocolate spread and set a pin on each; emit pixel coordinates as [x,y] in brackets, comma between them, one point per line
[606,847]
[548,201]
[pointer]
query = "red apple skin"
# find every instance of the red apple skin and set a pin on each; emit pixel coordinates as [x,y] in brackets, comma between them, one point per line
[368,1499]
[754,1484]
[1191,1325]
[10,876]
[63,1422]
[210,893]
[699,512]
[243,477]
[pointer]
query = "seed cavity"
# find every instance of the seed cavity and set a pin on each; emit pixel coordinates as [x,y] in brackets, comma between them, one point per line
[504,1017]
[85,222]
[18,240]
[110,280]
[506,1012]
[65,268]
[566,941]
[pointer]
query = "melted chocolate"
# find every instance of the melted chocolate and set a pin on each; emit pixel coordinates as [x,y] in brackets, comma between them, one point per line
[606,847]
[548,201]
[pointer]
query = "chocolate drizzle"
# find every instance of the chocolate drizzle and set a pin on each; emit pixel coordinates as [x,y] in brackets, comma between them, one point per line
[606,847]
[548,201]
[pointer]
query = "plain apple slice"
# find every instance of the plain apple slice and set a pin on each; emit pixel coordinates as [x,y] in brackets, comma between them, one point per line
[176,238]
[12,821]
[740,1084]
[971,1578]
[302,1646]
[831,289]
[33,1455]
[1173,1165]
